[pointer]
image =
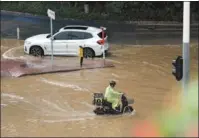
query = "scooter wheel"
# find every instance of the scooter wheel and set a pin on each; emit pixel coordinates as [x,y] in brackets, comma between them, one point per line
[99,111]
[128,109]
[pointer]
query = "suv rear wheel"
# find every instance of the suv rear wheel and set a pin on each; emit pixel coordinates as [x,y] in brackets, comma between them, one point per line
[88,53]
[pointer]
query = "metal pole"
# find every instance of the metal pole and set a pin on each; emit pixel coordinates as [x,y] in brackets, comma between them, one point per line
[103,45]
[51,31]
[186,53]
[18,33]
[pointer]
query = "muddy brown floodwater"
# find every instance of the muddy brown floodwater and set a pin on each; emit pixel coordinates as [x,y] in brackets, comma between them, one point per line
[60,104]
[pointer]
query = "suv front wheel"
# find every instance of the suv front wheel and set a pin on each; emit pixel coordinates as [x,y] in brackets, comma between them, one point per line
[36,51]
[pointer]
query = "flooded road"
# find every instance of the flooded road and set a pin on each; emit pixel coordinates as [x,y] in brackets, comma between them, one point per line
[60,104]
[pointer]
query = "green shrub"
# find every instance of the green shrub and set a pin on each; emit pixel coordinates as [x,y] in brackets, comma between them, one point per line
[121,10]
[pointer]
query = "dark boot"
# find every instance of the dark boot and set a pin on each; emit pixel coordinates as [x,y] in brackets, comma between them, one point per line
[117,109]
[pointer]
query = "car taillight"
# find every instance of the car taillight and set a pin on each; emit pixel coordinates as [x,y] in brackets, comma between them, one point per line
[100,42]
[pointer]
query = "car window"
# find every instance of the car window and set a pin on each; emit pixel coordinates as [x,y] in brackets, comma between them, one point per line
[87,35]
[62,36]
[74,35]
[77,27]
[100,34]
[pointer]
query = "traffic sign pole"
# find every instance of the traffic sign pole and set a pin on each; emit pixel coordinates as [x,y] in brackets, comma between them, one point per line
[51,15]
[51,31]
[103,44]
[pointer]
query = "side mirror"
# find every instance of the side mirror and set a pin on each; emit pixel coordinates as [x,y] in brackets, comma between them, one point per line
[53,38]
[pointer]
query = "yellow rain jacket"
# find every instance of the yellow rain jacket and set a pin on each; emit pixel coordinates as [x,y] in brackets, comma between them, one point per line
[113,97]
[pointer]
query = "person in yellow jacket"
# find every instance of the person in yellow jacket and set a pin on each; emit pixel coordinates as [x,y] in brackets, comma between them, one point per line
[81,55]
[113,96]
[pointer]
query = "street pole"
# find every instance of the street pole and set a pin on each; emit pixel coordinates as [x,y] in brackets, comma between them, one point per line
[18,33]
[186,47]
[51,31]
[51,15]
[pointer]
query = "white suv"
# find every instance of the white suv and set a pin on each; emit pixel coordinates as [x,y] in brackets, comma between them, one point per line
[67,42]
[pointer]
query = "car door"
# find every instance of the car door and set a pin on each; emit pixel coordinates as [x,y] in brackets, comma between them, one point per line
[59,44]
[75,39]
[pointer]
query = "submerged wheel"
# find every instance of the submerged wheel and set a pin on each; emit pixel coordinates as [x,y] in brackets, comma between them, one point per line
[128,109]
[36,51]
[99,111]
[88,53]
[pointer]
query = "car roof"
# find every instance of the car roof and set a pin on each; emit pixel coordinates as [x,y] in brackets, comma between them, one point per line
[81,27]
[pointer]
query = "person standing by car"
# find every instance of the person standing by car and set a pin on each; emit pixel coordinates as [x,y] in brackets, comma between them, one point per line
[81,55]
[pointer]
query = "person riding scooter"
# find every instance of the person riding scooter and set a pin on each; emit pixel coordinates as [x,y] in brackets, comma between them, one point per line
[113,97]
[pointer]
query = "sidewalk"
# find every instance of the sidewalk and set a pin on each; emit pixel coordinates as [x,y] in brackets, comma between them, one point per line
[19,68]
